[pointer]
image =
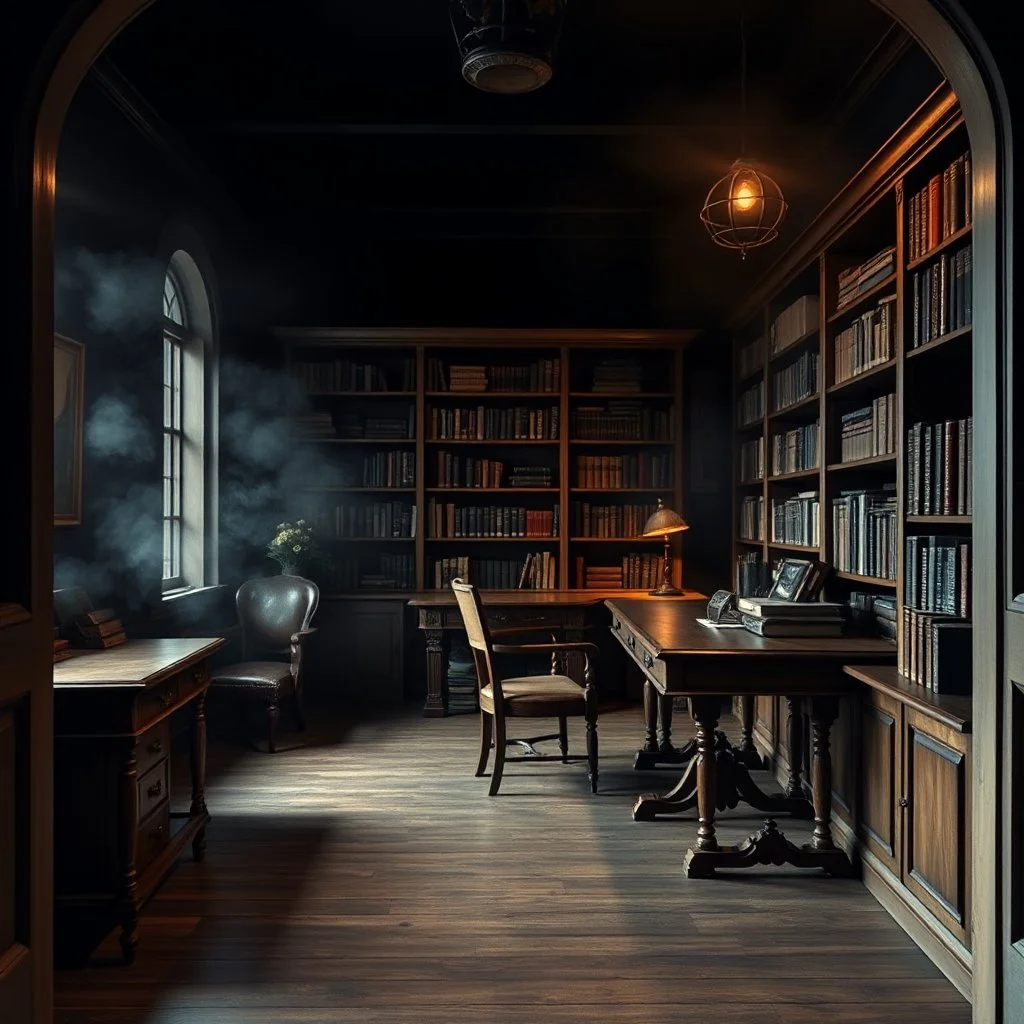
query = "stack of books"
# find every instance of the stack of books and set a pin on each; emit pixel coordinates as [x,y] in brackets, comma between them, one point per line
[97,629]
[617,375]
[862,278]
[467,378]
[601,577]
[770,617]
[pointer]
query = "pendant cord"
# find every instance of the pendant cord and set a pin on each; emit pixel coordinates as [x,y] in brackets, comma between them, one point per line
[743,83]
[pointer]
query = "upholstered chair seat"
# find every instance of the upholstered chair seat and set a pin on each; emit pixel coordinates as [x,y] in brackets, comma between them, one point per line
[536,697]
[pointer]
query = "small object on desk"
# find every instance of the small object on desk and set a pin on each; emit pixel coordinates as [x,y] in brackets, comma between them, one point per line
[799,579]
[722,609]
[663,522]
[711,624]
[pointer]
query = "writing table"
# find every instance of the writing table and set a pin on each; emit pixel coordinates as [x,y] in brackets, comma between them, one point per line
[681,657]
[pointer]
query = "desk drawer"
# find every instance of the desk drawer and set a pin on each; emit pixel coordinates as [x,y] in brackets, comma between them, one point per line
[153,788]
[159,699]
[153,746]
[638,651]
[153,836]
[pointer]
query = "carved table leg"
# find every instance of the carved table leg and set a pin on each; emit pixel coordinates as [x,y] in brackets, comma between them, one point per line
[823,713]
[197,809]
[657,748]
[746,752]
[438,644]
[128,848]
[705,711]
[795,741]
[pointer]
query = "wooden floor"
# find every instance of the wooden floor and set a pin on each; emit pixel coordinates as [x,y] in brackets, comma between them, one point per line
[362,874]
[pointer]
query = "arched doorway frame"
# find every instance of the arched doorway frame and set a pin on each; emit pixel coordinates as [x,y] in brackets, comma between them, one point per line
[944,29]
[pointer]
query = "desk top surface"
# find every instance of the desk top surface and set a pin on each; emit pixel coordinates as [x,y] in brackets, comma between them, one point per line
[446,598]
[134,664]
[672,631]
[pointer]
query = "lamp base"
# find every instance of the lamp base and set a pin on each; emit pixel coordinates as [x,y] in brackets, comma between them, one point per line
[665,590]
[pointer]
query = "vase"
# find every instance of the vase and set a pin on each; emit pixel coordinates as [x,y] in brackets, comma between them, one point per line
[289,569]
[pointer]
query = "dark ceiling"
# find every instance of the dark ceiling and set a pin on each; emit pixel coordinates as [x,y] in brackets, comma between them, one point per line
[345,127]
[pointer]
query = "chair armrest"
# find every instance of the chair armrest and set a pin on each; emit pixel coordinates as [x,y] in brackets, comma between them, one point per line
[303,635]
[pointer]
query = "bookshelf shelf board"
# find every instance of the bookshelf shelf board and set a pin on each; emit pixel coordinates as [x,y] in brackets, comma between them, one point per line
[864,298]
[641,444]
[800,474]
[359,490]
[622,394]
[875,460]
[949,709]
[554,395]
[757,424]
[370,540]
[742,383]
[929,346]
[750,541]
[356,440]
[949,240]
[805,405]
[807,548]
[492,490]
[361,394]
[941,520]
[866,379]
[507,441]
[491,540]
[875,581]
[794,346]
[621,490]
[616,540]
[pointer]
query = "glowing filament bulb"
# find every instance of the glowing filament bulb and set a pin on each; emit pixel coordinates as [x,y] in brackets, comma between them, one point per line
[744,195]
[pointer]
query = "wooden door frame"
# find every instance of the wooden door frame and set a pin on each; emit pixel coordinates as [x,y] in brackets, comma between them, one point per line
[946,32]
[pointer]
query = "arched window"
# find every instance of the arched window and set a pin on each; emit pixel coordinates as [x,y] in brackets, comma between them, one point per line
[187,335]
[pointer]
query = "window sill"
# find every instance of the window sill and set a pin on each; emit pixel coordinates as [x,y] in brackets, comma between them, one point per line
[174,599]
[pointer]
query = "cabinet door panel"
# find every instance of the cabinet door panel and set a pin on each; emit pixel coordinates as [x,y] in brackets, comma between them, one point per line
[764,722]
[936,826]
[880,757]
[844,760]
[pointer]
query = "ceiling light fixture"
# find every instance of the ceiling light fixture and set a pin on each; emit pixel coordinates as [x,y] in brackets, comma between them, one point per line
[744,208]
[507,46]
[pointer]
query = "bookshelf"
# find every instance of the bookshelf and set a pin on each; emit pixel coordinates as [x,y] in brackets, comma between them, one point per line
[424,452]
[882,491]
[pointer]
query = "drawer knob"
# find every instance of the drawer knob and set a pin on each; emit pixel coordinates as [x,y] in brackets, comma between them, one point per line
[615,623]
[631,642]
[648,660]
[156,747]
[156,789]
[166,699]
[904,802]
[157,833]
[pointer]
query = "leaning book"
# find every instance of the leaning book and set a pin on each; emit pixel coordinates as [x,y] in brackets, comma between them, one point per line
[779,627]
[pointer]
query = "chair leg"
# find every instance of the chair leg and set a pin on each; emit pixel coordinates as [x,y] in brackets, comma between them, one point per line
[591,709]
[563,737]
[273,715]
[298,710]
[485,742]
[499,755]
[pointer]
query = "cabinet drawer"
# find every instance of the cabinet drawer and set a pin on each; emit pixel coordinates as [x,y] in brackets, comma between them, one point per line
[156,701]
[652,668]
[153,836]
[153,788]
[153,746]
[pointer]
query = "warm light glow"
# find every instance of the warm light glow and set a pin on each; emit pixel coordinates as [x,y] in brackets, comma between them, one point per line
[744,196]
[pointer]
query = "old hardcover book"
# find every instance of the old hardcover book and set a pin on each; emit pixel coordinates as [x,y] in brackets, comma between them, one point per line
[952,669]
[780,627]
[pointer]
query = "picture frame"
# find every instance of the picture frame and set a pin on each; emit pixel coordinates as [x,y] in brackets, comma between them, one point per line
[68,405]
[789,578]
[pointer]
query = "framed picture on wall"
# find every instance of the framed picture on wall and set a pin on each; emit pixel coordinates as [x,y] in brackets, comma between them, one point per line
[68,399]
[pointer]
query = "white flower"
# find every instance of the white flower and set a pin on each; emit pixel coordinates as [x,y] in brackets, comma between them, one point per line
[297,548]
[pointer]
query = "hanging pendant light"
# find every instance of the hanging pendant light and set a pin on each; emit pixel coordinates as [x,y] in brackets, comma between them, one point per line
[744,209]
[507,46]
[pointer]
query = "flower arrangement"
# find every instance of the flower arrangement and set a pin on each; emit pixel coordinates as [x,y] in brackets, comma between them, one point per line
[293,545]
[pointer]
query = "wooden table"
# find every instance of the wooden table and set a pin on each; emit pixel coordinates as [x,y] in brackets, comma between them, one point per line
[572,612]
[680,657]
[115,838]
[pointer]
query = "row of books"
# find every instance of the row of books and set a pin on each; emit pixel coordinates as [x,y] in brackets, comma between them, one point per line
[385,571]
[869,431]
[377,519]
[751,524]
[795,520]
[795,450]
[448,520]
[855,281]
[752,461]
[941,297]
[389,469]
[326,375]
[936,652]
[617,374]
[609,520]
[874,614]
[352,425]
[455,470]
[540,375]
[937,574]
[865,532]
[750,358]
[624,420]
[796,321]
[796,382]
[750,405]
[753,574]
[537,571]
[633,572]
[483,424]
[617,471]
[941,208]
[940,468]
[867,342]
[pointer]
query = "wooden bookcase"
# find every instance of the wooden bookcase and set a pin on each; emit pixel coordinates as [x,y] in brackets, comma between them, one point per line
[901,752]
[604,388]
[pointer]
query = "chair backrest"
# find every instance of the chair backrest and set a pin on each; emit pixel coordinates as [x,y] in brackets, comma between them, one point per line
[477,634]
[271,609]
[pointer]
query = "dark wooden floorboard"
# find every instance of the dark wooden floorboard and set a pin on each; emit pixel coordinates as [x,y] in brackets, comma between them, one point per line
[362,874]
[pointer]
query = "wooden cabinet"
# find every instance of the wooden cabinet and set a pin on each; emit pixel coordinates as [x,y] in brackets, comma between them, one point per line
[764,724]
[879,818]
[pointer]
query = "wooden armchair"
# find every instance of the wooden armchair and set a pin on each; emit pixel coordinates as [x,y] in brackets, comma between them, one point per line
[274,615]
[550,696]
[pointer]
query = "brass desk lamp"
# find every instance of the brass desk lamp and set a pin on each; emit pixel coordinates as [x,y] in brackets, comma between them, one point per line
[663,522]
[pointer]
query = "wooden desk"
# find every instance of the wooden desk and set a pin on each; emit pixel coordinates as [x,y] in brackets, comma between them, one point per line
[115,838]
[681,657]
[570,611]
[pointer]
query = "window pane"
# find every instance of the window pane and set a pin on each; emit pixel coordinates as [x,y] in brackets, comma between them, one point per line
[167,549]
[176,474]
[177,396]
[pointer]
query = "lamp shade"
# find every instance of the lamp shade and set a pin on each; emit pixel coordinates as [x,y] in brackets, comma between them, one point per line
[744,209]
[664,520]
